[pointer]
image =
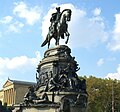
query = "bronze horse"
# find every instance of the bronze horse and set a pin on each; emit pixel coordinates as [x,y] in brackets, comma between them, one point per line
[61,28]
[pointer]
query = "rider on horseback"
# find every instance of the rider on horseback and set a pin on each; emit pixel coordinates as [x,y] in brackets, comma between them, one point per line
[54,20]
[58,26]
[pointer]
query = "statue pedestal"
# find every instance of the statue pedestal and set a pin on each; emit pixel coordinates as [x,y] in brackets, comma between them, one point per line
[47,108]
[58,88]
[50,109]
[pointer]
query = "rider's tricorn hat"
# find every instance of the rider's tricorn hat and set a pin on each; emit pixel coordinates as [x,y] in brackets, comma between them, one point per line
[58,8]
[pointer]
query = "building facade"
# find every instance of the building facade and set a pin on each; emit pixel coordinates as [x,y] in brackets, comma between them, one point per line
[1,95]
[13,91]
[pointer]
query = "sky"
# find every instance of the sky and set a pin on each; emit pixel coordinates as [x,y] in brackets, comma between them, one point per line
[94,36]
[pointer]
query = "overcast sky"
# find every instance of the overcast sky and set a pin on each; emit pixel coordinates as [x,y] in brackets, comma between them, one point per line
[94,36]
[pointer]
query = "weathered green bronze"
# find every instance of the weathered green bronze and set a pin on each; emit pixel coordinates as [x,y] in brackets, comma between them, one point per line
[58,87]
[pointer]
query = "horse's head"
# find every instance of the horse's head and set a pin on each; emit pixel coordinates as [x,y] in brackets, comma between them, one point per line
[66,15]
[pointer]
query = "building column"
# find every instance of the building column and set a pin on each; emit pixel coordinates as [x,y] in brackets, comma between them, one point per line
[8,97]
[12,96]
[4,100]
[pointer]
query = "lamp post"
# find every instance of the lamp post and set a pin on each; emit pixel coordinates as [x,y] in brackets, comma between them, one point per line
[113,101]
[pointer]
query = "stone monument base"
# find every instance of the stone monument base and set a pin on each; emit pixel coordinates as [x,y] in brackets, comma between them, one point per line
[56,104]
[45,108]
[58,87]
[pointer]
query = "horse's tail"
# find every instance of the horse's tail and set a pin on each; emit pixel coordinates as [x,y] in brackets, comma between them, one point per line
[45,42]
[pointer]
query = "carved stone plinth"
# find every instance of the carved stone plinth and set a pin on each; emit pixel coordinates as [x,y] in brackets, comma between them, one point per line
[46,108]
[58,87]
[57,71]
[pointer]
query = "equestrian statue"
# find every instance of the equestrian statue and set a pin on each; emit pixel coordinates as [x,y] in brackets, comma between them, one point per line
[58,26]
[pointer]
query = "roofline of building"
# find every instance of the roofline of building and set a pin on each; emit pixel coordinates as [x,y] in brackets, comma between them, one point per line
[22,82]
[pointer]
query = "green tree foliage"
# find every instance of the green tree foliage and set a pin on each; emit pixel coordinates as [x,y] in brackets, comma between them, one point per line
[100,92]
